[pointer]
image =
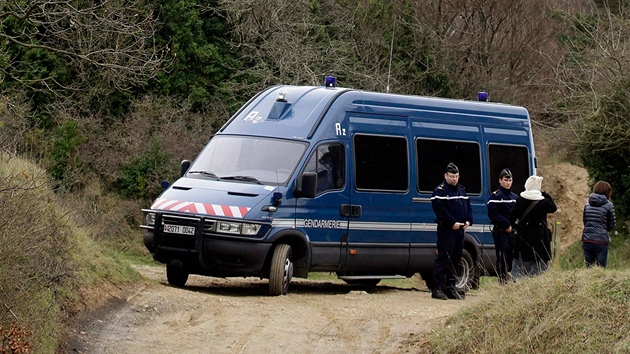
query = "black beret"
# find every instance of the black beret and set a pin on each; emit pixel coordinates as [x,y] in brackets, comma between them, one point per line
[452,168]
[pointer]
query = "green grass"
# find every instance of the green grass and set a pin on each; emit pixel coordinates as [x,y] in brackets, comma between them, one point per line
[49,255]
[574,311]
[618,254]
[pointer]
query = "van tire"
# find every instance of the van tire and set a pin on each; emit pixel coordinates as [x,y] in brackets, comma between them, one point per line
[467,271]
[281,270]
[176,276]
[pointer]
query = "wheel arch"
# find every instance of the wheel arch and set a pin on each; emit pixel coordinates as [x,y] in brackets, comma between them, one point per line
[301,252]
[472,246]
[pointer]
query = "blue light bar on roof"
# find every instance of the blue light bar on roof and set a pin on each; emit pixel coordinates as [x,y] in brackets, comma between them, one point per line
[330,81]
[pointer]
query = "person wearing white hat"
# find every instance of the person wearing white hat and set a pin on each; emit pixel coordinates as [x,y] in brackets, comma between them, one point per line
[529,218]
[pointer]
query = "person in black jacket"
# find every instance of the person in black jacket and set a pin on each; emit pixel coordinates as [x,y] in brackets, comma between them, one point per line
[599,219]
[500,206]
[453,214]
[533,244]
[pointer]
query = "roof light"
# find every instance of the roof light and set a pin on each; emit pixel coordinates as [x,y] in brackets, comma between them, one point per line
[282,96]
[330,81]
[482,96]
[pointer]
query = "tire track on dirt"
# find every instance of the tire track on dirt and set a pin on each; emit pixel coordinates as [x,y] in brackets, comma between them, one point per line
[236,316]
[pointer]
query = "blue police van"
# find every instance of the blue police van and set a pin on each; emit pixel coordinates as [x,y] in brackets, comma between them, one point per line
[327,179]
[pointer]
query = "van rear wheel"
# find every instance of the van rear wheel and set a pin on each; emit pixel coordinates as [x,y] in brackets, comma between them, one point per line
[467,272]
[281,270]
[176,276]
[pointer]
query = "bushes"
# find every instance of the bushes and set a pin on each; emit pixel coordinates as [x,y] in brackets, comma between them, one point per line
[604,144]
[138,179]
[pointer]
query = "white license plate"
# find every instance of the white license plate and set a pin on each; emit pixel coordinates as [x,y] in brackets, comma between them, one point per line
[179,229]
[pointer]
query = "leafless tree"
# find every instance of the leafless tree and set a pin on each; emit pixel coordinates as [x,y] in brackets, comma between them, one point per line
[112,36]
[591,84]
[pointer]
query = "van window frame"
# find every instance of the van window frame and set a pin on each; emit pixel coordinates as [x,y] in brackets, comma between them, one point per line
[343,166]
[356,163]
[441,166]
[518,178]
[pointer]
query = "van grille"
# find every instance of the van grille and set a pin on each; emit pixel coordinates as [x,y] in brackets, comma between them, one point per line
[180,241]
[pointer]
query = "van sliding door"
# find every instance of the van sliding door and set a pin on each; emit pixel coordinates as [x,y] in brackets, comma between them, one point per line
[380,209]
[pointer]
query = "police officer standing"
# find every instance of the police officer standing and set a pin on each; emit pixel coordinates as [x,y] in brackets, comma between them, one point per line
[500,206]
[453,214]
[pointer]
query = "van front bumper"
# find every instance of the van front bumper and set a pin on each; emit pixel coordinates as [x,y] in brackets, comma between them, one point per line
[220,257]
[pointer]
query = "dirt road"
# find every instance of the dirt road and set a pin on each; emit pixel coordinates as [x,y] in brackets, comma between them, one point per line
[213,315]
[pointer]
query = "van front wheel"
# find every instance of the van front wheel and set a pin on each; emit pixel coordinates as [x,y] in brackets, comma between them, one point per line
[281,270]
[176,276]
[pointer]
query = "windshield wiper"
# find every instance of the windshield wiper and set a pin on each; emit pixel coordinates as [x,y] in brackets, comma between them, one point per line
[205,173]
[243,178]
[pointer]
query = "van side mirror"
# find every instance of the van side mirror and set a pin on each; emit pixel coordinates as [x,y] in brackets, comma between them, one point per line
[307,185]
[184,167]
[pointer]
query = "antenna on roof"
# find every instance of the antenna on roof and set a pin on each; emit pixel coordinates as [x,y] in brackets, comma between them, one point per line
[391,52]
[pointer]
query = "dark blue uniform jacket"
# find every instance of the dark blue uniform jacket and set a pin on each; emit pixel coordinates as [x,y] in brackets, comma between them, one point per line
[451,205]
[500,206]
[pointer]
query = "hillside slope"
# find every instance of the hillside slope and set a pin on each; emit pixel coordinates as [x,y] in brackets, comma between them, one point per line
[568,186]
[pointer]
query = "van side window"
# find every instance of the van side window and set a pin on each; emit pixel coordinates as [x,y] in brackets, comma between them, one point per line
[381,163]
[516,158]
[434,155]
[329,163]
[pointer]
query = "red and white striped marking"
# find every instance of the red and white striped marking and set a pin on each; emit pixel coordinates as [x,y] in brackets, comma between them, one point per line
[201,208]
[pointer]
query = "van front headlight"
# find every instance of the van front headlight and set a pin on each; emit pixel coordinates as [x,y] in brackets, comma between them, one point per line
[238,228]
[150,219]
[250,229]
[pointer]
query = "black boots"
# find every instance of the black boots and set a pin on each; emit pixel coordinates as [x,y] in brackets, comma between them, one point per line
[453,293]
[438,294]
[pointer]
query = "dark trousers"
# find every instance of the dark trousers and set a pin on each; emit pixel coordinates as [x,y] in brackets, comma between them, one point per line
[504,244]
[450,244]
[595,254]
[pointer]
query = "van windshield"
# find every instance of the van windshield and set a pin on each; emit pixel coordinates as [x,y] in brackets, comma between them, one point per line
[248,159]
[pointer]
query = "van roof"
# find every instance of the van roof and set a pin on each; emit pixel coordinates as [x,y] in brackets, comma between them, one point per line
[295,111]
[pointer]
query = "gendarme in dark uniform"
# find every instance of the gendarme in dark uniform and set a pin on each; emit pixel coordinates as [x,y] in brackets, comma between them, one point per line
[453,214]
[500,206]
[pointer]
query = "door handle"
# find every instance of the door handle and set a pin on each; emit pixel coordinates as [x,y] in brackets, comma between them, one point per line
[353,211]
[344,210]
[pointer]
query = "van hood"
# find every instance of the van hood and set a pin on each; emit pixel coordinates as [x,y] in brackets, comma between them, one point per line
[218,198]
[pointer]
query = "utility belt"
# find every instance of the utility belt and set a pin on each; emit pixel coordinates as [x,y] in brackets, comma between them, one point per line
[442,227]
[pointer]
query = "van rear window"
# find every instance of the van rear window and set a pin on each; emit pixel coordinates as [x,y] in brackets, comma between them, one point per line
[434,155]
[514,157]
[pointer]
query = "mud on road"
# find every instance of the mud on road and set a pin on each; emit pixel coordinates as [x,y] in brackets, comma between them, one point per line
[236,315]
